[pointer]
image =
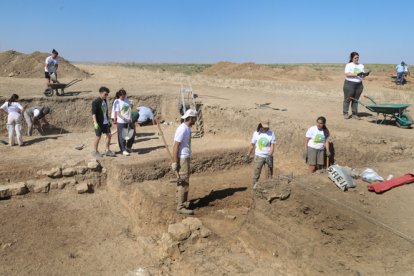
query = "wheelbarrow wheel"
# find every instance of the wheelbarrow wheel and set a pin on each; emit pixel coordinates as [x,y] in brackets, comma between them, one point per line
[404,121]
[48,92]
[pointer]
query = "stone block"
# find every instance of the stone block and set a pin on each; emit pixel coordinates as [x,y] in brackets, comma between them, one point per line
[94,165]
[82,188]
[81,169]
[193,223]
[54,185]
[41,186]
[179,231]
[55,172]
[68,172]
[13,189]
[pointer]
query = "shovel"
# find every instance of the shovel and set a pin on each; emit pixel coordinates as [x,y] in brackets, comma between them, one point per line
[127,133]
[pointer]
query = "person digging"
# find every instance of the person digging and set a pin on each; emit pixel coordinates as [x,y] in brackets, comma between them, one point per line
[36,117]
[182,157]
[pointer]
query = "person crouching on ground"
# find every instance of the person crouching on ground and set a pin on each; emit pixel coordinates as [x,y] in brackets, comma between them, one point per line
[182,157]
[36,117]
[263,142]
[146,116]
[101,122]
[123,119]
[13,109]
[316,145]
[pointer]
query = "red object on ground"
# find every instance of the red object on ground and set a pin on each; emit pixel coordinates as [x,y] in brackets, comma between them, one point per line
[389,184]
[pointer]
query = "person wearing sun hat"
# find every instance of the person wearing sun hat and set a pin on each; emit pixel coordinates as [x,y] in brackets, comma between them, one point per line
[34,117]
[182,158]
[263,143]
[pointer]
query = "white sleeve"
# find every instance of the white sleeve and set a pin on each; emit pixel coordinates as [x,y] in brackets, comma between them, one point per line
[254,138]
[273,141]
[19,106]
[117,106]
[179,134]
[4,106]
[348,68]
[362,68]
[309,133]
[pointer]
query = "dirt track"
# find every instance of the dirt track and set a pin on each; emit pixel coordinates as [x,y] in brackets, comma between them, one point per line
[119,228]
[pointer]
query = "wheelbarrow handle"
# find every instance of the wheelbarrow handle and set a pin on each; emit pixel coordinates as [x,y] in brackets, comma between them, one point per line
[369,98]
[356,100]
[72,82]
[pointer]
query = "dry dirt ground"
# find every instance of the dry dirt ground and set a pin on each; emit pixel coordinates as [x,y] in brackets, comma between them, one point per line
[121,227]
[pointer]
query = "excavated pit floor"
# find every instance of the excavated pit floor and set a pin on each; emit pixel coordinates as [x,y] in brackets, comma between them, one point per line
[116,229]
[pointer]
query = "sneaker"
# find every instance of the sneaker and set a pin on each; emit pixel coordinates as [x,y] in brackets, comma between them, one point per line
[346,116]
[125,153]
[110,153]
[96,154]
[355,117]
[185,211]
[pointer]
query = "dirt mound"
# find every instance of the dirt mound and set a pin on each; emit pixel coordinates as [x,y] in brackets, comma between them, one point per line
[241,71]
[262,72]
[304,73]
[15,64]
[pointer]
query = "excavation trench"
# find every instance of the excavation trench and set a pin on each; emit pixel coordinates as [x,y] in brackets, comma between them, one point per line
[301,235]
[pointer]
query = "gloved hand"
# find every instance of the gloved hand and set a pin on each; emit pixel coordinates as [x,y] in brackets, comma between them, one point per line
[95,125]
[174,166]
[246,159]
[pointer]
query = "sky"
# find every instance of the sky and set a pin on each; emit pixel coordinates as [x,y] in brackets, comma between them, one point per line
[209,31]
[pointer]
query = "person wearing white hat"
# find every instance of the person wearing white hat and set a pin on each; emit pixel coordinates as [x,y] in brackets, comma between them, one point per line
[263,142]
[182,157]
[34,116]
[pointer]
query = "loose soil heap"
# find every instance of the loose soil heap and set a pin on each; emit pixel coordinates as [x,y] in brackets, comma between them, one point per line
[15,64]
[262,72]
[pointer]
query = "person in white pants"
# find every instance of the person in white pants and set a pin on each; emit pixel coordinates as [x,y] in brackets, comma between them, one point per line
[13,109]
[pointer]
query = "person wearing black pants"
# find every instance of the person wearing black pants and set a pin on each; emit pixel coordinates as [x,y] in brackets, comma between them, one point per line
[353,87]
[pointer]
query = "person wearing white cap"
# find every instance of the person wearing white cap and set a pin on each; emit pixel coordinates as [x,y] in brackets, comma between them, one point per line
[182,157]
[33,116]
[263,142]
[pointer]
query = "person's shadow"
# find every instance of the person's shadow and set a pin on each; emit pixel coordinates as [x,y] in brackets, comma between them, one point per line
[213,196]
[147,150]
[40,139]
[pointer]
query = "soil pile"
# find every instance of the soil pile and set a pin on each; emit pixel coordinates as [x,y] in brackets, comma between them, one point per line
[15,64]
[304,73]
[242,71]
[262,72]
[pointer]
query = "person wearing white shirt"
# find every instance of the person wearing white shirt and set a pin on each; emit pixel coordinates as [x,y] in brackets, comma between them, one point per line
[51,66]
[263,144]
[353,87]
[14,110]
[182,156]
[317,145]
[122,109]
